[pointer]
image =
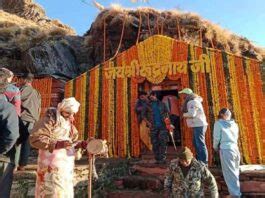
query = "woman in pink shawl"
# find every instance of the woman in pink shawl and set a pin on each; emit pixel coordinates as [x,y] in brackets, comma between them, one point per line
[55,137]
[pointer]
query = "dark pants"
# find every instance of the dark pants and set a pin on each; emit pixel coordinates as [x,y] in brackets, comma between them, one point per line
[175,120]
[199,143]
[6,178]
[25,146]
[159,138]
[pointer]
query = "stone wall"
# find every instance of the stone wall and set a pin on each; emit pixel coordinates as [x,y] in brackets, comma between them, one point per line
[140,179]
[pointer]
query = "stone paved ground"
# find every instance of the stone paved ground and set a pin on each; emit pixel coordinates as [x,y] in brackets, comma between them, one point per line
[135,178]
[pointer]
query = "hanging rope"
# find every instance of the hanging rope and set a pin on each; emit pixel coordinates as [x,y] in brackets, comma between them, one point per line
[200,37]
[122,33]
[139,29]
[212,43]
[104,39]
[157,23]
[178,26]
[148,23]
[162,27]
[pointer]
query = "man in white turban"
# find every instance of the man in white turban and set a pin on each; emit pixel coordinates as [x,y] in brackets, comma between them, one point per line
[56,138]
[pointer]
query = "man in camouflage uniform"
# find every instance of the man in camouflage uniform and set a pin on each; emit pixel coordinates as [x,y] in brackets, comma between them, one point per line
[155,115]
[186,177]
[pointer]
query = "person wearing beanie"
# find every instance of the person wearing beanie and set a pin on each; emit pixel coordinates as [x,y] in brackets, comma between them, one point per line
[186,177]
[225,136]
[9,132]
[56,138]
[192,111]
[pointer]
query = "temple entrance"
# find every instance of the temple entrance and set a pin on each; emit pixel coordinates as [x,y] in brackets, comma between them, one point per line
[167,92]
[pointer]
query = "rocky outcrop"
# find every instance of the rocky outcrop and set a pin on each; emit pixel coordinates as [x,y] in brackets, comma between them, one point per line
[24,8]
[43,49]
[29,10]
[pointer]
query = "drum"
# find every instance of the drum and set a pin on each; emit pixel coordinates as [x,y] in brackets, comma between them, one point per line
[97,147]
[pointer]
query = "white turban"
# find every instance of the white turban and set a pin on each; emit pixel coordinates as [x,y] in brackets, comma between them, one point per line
[70,105]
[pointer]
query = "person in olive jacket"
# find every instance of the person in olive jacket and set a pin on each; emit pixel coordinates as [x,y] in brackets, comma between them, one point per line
[30,113]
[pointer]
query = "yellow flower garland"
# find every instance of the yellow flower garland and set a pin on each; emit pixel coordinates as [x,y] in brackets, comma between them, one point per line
[214,85]
[254,105]
[237,106]
[69,89]
[83,104]
[155,50]
[110,118]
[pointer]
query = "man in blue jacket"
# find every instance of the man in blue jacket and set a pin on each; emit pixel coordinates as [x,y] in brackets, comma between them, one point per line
[9,133]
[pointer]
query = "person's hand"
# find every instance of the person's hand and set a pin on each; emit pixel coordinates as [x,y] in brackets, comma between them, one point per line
[81,144]
[148,124]
[170,127]
[167,121]
[63,144]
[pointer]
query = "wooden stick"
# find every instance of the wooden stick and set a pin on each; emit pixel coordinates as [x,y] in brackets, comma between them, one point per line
[91,156]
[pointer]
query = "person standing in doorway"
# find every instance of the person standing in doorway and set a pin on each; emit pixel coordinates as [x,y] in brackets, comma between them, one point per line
[173,106]
[192,110]
[30,112]
[225,136]
[140,108]
[155,115]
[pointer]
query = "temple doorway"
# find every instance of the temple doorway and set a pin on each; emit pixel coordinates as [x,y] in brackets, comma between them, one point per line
[167,92]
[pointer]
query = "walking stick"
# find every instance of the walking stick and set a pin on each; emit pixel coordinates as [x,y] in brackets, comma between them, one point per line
[91,158]
[171,135]
[170,128]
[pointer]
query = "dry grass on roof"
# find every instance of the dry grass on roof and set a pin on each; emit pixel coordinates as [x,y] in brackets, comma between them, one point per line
[190,25]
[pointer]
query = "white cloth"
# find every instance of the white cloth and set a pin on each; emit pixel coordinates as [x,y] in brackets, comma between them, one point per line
[195,115]
[70,105]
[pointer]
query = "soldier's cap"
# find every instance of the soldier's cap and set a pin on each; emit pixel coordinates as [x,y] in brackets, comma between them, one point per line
[186,91]
[185,154]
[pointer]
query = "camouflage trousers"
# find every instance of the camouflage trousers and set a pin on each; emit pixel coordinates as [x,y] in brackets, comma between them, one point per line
[159,139]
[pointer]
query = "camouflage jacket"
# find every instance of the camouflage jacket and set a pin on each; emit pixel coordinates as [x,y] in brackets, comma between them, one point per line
[193,184]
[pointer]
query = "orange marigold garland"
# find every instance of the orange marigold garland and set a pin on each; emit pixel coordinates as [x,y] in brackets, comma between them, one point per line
[120,110]
[220,78]
[135,132]
[246,112]
[237,106]
[78,95]
[260,104]
[91,113]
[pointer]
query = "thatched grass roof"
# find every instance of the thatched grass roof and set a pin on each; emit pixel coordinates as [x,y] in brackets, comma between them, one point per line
[185,26]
